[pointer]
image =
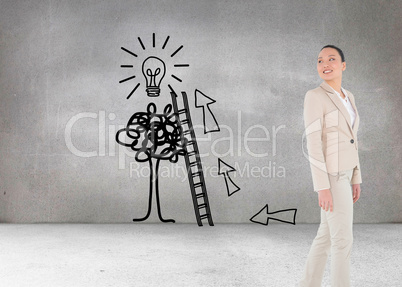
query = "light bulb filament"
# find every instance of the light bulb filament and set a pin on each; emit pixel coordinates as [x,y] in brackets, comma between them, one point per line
[152,82]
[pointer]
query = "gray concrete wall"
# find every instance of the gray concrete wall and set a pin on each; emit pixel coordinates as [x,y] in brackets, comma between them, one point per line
[59,81]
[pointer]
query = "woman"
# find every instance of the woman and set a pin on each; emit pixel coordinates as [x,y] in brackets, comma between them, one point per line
[331,121]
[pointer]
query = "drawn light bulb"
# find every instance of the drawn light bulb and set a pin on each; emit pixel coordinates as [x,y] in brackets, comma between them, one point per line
[154,70]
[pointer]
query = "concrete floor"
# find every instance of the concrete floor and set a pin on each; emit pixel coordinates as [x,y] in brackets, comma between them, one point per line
[184,255]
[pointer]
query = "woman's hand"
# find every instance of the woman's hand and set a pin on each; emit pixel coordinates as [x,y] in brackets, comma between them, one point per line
[356,192]
[325,199]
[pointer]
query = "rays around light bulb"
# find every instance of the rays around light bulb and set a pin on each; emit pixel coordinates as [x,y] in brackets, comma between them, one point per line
[154,45]
[175,52]
[176,78]
[142,44]
[164,44]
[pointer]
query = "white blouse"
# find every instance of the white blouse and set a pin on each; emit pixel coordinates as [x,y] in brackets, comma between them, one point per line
[348,105]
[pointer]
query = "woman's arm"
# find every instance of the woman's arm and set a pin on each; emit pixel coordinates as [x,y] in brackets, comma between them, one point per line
[314,121]
[357,176]
[356,192]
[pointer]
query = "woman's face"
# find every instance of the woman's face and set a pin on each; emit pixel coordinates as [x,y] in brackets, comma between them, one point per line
[330,65]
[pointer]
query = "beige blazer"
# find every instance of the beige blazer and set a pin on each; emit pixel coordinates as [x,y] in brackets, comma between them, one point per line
[331,140]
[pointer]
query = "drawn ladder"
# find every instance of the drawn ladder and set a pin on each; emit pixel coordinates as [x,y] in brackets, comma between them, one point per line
[193,162]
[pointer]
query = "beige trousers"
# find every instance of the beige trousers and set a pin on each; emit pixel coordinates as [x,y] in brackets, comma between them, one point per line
[334,236]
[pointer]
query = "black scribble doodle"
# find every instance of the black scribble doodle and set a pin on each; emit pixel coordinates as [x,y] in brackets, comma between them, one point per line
[224,169]
[209,120]
[285,216]
[154,137]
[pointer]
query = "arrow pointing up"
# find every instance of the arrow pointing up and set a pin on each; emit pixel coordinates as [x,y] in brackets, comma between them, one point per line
[203,101]
[224,169]
[285,216]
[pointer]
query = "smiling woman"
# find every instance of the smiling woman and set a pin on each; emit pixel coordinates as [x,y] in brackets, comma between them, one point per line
[331,122]
[330,65]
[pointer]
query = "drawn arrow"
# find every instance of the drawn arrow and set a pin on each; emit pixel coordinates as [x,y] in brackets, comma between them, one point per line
[203,101]
[224,169]
[281,215]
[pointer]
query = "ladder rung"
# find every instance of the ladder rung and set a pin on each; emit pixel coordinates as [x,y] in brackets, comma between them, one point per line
[182,111]
[190,142]
[198,184]
[198,173]
[204,216]
[193,163]
[202,205]
[191,153]
[185,121]
[199,195]
[186,132]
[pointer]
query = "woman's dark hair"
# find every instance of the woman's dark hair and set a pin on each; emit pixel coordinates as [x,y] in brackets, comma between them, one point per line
[336,48]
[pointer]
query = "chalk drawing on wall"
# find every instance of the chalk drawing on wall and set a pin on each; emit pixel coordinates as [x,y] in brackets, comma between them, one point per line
[195,172]
[153,81]
[224,169]
[168,135]
[165,136]
[209,120]
[285,216]
[156,136]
